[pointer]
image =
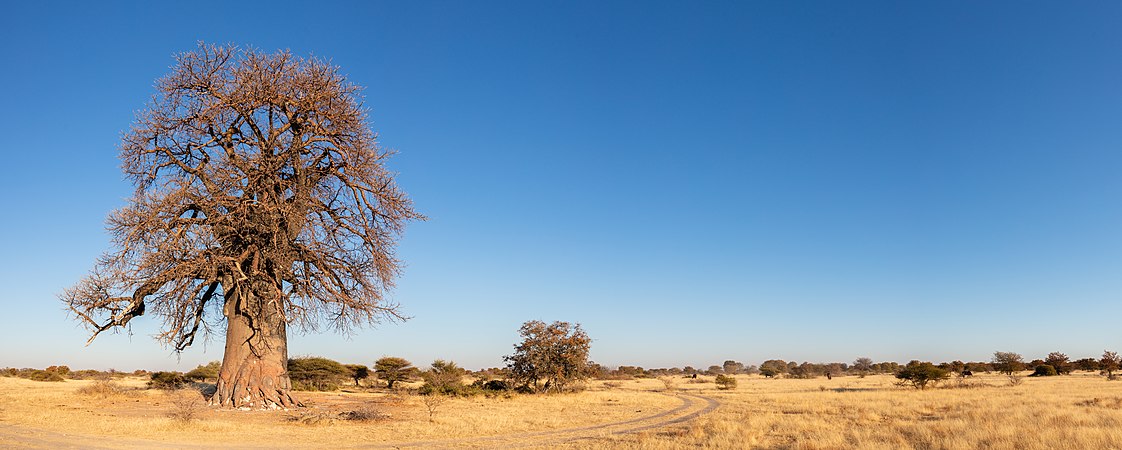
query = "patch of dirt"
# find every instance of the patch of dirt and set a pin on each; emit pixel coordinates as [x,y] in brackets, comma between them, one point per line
[692,406]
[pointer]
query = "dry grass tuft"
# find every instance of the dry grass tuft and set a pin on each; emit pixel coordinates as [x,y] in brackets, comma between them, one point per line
[1082,410]
[1111,403]
[101,389]
[314,418]
[186,405]
[433,403]
[365,413]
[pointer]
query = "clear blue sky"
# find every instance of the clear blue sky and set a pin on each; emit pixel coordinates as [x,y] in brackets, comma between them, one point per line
[811,181]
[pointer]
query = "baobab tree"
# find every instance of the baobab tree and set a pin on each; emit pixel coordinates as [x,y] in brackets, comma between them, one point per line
[262,201]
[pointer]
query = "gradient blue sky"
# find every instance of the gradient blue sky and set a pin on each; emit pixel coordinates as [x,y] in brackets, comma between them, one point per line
[691,182]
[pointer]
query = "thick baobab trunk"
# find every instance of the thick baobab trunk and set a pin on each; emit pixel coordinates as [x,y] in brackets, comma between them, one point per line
[254,373]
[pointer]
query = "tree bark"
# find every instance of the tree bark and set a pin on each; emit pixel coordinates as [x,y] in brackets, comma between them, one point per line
[254,373]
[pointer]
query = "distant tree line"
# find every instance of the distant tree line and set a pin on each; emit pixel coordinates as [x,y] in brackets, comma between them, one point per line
[551,357]
[1108,364]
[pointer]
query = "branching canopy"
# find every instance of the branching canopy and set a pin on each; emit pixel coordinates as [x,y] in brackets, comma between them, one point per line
[555,353]
[256,172]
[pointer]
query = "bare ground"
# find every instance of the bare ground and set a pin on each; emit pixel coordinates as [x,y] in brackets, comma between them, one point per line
[689,406]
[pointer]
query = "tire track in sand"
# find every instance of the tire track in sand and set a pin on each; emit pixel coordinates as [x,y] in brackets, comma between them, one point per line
[688,410]
[675,416]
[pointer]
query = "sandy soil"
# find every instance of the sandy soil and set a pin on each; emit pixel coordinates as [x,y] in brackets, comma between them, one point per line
[60,415]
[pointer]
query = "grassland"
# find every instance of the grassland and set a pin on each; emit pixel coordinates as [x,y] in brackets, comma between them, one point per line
[1078,411]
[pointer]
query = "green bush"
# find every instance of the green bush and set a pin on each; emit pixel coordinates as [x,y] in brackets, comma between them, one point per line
[167,380]
[358,372]
[920,374]
[316,374]
[42,375]
[491,385]
[89,374]
[446,378]
[773,368]
[203,373]
[393,369]
[725,382]
[1044,370]
[61,370]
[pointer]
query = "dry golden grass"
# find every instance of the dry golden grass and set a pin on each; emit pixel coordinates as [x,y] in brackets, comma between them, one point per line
[135,416]
[1078,411]
[1082,411]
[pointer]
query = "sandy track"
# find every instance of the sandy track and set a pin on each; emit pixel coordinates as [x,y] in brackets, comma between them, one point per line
[692,407]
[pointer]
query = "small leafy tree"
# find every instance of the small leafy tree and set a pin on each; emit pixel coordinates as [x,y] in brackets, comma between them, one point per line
[392,369]
[1059,361]
[773,368]
[1086,364]
[1008,363]
[725,382]
[443,377]
[804,371]
[920,374]
[358,372]
[432,404]
[555,354]
[1109,363]
[316,374]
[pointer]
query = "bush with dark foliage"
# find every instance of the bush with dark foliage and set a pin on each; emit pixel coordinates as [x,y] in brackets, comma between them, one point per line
[1044,370]
[314,373]
[920,374]
[167,380]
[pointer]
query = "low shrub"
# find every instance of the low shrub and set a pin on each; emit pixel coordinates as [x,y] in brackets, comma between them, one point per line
[725,382]
[204,373]
[1044,370]
[167,380]
[101,388]
[88,374]
[446,378]
[364,414]
[314,373]
[920,374]
[432,404]
[494,385]
[186,404]
[61,370]
[42,375]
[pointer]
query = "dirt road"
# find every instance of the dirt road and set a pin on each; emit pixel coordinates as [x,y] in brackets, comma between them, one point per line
[692,406]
